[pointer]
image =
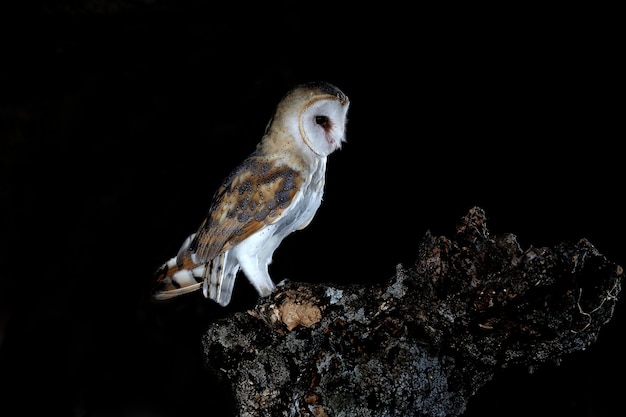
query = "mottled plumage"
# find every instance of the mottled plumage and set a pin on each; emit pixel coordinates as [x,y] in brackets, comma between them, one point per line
[274,192]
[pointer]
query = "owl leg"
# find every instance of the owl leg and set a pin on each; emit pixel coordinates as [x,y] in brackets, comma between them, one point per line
[258,275]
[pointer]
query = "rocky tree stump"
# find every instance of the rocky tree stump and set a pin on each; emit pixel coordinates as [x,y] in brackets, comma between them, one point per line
[424,342]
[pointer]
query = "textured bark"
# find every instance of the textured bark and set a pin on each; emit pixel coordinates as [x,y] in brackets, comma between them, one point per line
[422,343]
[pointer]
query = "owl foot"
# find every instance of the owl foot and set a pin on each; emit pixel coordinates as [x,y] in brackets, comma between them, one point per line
[283,282]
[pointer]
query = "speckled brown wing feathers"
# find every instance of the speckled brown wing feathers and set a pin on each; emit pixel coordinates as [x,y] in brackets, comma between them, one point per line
[254,194]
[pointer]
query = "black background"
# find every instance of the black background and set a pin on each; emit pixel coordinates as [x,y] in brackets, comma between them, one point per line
[120,119]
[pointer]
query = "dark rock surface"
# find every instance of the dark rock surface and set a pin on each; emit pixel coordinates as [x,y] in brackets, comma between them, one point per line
[423,343]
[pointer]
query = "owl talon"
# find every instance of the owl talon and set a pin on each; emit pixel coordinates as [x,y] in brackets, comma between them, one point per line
[283,282]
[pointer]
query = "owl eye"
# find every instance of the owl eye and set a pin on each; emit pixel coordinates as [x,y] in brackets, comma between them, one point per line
[322,121]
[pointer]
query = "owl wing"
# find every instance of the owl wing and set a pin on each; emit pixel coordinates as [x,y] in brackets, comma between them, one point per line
[255,194]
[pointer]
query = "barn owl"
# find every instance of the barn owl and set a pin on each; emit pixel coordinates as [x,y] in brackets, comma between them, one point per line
[275,191]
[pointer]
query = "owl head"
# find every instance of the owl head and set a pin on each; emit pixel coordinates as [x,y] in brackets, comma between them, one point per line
[317,113]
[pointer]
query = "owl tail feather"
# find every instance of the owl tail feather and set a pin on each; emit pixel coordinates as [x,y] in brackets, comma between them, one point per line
[178,276]
[220,280]
[172,280]
[181,275]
